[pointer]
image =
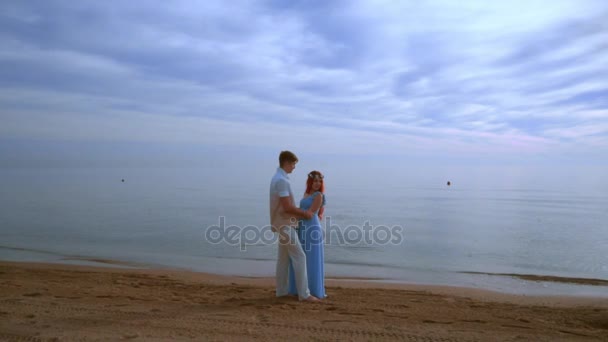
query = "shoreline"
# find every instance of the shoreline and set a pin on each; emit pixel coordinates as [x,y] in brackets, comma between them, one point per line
[114,266]
[48,301]
[549,278]
[504,283]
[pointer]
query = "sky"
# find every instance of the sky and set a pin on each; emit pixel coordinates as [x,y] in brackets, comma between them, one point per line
[517,81]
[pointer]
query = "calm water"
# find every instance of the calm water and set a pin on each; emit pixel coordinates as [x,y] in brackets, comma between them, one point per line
[160,216]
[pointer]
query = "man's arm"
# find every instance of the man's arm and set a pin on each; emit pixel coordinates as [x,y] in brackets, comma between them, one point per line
[290,209]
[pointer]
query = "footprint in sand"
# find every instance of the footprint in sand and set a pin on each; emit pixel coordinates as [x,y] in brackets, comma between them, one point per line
[233,299]
[67,297]
[263,318]
[351,313]
[515,326]
[435,322]
[473,321]
[221,314]
[336,321]
[397,316]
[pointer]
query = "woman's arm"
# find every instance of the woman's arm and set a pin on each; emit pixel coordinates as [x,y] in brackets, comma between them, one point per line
[321,211]
[316,203]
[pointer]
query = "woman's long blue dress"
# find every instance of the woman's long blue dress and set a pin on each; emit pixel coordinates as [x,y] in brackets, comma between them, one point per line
[310,234]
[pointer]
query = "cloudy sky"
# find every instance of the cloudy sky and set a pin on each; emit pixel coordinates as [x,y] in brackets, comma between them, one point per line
[412,78]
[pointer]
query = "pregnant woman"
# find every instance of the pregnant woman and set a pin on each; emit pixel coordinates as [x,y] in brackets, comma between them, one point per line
[310,234]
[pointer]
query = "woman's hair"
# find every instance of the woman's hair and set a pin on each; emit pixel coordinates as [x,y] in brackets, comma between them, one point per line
[311,177]
[287,157]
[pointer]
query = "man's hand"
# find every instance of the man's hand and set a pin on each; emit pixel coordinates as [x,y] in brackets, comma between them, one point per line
[290,209]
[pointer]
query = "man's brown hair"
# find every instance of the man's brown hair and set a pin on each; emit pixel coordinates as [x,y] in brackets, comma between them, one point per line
[287,157]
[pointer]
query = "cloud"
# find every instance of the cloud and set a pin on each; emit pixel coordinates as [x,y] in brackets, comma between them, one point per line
[471,78]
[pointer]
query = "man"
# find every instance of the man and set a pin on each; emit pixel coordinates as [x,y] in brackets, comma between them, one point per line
[283,219]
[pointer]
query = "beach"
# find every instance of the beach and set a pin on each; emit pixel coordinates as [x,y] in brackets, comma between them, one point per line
[70,302]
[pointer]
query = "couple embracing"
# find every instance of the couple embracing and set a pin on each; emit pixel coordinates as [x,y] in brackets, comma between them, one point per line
[300,269]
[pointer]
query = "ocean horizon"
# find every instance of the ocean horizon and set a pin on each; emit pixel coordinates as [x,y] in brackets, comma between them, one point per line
[472,233]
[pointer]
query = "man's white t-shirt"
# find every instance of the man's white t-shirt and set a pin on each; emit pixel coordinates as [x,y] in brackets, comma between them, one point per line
[280,187]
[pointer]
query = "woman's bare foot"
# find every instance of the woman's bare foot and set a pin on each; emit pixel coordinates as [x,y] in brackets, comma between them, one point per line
[312,299]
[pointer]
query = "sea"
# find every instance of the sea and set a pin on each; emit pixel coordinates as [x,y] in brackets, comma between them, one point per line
[381,226]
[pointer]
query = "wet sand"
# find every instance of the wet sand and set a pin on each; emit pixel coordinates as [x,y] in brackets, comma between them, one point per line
[534,277]
[66,302]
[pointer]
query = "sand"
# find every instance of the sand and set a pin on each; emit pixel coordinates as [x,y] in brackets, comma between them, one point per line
[65,302]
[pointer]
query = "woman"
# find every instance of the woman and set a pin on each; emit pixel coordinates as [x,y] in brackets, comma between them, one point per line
[311,236]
